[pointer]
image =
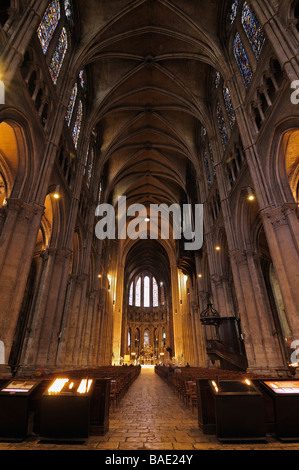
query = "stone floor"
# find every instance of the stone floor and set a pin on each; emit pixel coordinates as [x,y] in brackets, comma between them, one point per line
[151,417]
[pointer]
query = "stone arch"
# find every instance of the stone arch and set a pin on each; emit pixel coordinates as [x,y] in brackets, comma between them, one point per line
[17,153]
[283,162]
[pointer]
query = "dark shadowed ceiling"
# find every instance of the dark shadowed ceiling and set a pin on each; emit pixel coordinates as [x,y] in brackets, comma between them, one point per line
[151,64]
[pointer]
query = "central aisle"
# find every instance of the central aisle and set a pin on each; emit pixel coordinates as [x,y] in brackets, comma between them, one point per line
[150,416]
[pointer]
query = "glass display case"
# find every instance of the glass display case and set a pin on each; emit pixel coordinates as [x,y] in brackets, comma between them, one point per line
[16,416]
[285,395]
[239,410]
[65,409]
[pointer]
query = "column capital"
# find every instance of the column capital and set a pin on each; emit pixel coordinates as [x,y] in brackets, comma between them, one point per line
[278,216]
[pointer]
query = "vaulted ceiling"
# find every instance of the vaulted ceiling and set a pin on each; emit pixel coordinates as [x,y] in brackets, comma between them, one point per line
[151,64]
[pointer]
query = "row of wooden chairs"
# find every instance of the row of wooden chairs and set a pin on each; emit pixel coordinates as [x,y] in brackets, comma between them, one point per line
[121,384]
[183,380]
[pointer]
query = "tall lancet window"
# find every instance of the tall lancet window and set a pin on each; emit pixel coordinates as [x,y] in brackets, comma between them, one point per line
[70,108]
[234,10]
[146,291]
[229,107]
[155,293]
[131,294]
[77,125]
[221,125]
[48,25]
[242,60]
[58,56]
[253,29]
[68,9]
[138,293]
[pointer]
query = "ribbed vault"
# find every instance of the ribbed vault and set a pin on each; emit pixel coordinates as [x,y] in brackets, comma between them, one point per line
[151,63]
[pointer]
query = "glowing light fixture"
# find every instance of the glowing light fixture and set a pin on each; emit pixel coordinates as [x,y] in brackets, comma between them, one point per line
[250,195]
[56,193]
[57,385]
[215,385]
[217,248]
[84,386]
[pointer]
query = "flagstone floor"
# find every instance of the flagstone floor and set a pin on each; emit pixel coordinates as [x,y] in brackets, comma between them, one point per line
[151,417]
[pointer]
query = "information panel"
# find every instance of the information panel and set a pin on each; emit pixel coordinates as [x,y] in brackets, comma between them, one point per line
[283,387]
[19,386]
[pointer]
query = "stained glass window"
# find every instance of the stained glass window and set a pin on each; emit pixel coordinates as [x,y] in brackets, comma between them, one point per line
[207,167]
[229,107]
[68,9]
[58,56]
[242,60]
[71,105]
[252,29]
[146,291]
[77,125]
[155,293]
[212,158]
[217,79]
[162,293]
[138,292]
[48,25]
[82,78]
[233,12]
[221,125]
[90,166]
[146,338]
[131,294]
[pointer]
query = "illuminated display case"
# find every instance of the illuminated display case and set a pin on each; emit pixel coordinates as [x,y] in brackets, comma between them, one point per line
[15,408]
[65,409]
[239,410]
[285,395]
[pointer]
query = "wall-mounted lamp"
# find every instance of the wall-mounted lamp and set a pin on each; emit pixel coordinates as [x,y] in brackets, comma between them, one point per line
[250,195]
[217,248]
[56,193]
[199,275]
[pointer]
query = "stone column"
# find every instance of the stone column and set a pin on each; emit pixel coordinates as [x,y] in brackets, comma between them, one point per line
[42,345]
[177,313]
[71,330]
[91,332]
[13,52]
[255,314]
[282,232]
[17,243]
